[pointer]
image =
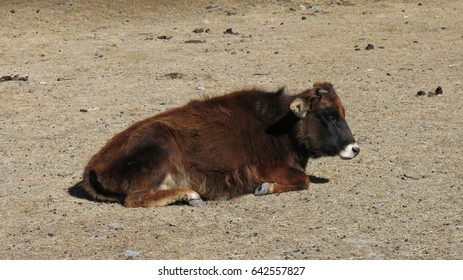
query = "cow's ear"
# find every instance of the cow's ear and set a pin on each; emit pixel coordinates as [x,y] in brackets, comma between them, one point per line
[300,107]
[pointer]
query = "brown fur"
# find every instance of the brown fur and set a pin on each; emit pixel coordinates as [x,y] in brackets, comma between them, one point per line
[216,148]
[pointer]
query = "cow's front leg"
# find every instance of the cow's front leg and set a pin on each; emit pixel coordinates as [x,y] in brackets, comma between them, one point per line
[282,179]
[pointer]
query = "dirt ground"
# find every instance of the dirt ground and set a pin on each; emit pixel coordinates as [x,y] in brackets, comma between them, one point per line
[86,71]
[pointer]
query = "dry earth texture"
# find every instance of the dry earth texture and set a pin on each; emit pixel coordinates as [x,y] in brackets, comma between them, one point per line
[76,72]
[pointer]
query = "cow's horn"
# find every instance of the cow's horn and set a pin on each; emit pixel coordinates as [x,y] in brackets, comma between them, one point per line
[320,92]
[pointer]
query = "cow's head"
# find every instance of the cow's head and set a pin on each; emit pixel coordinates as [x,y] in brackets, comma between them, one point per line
[323,129]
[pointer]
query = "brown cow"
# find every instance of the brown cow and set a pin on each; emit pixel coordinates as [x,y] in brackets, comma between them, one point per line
[221,147]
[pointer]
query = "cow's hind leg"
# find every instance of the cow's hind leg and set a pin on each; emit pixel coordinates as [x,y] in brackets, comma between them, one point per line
[163,197]
[282,179]
[147,168]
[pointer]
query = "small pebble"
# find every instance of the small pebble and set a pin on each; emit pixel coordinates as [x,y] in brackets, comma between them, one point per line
[114,225]
[316,8]
[131,253]
[200,87]
[369,47]
[377,206]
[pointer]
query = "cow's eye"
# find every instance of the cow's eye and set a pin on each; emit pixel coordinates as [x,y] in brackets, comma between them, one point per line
[333,117]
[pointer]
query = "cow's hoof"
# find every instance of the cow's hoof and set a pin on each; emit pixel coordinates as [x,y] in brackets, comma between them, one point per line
[263,189]
[197,202]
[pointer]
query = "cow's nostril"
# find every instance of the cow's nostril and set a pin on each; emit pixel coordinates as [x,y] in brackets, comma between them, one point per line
[356,150]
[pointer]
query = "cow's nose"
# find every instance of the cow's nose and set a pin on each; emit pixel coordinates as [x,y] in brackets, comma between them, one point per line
[356,150]
[350,151]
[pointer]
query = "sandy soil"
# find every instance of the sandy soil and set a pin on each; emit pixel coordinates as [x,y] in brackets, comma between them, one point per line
[87,71]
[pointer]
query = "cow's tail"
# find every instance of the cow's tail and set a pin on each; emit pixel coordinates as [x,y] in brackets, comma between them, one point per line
[96,190]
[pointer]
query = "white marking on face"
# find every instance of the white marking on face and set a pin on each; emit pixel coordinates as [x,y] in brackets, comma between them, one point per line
[350,151]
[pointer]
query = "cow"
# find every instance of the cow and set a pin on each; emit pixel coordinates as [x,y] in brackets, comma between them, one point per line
[248,141]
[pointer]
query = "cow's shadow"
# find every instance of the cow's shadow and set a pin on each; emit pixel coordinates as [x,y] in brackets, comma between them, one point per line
[78,191]
[318,180]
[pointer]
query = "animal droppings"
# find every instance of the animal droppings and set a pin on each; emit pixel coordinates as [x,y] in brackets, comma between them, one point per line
[420,93]
[174,75]
[230,31]
[438,90]
[164,37]
[194,41]
[14,78]
[201,30]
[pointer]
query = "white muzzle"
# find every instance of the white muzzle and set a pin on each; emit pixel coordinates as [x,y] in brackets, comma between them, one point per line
[350,151]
